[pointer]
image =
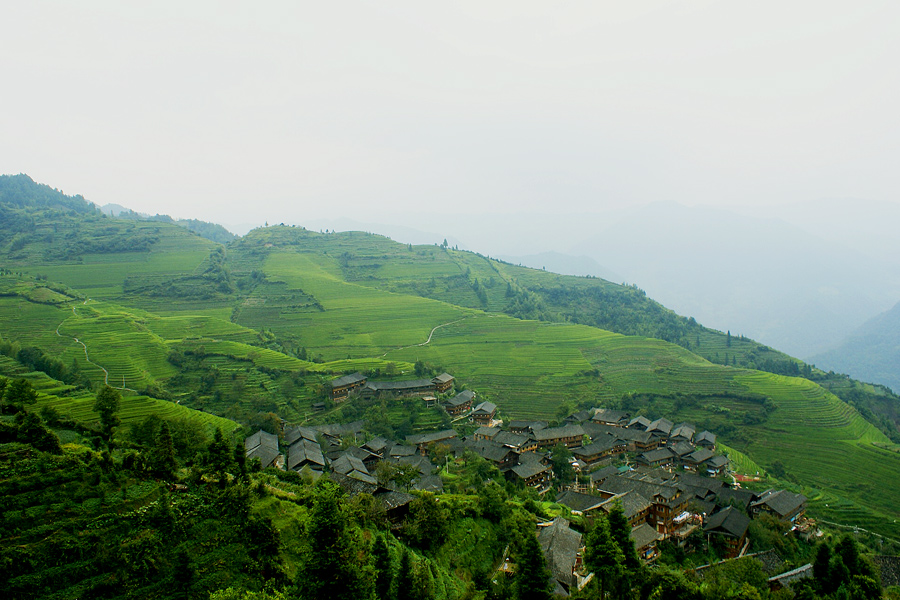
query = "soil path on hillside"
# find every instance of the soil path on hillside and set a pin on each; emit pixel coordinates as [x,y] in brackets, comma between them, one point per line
[88,358]
[428,341]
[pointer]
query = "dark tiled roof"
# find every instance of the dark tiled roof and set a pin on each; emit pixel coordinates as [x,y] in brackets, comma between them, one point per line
[717,462]
[261,438]
[641,423]
[488,432]
[532,425]
[305,452]
[399,450]
[656,455]
[486,407]
[681,448]
[530,469]
[700,456]
[377,444]
[399,386]
[683,430]
[632,503]
[781,501]
[430,438]
[599,446]
[663,426]
[603,473]
[643,535]
[492,451]
[740,497]
[265,454]
[728,521]
[443,378]
[293,434]
[430,483]
[579,417]
[461,398]
[553,433]
[579,502]
[351,379]
[560,545]
[706,437]
[513,440]
[607,415]
[532,457]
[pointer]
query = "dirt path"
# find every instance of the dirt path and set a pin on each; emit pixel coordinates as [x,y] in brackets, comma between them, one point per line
[428,341]
[88,358]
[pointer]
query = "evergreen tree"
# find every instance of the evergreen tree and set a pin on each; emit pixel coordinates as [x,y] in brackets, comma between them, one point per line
[384,574]
[107,404]
[620,530]
[333,568]
[405,577]
[219,457]
[532,579]
[603,557]
[162,457]
[821,564]
[32,431]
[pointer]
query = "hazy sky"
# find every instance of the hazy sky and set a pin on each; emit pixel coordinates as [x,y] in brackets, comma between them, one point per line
[242,112]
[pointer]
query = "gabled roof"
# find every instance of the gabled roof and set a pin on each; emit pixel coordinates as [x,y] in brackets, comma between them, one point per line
[579,417]
[305,452]
[488,432]
[643,535]
[622,433]
[579,502]
[632,503]
[352,379]
[639,422]
[430,438]
[700,456]
[684,430]
[781,502]
[601,474]
[529,469]
[601,445]
[293,434]
[681,448]
[740,497]
[461,398]
[346,463]
[717,462]
[532,457]
[656,455]
[261,438]
[399,386]
[265,454]
[443,378]
[729,522]
[553,433]
[706,437]
[377,444]
[398,450]
[429,483]
[492,451]
[560,545]
[510,439]
[663,426]
[485,407]
[607,415]
[532,425]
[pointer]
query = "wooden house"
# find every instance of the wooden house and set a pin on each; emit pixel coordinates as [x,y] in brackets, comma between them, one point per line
[342,386]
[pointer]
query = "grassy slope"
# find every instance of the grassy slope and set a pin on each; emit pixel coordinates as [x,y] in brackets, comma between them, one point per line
[363,312]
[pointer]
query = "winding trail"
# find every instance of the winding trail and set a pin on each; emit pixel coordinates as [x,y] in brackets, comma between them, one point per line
[428,341]
[88,358]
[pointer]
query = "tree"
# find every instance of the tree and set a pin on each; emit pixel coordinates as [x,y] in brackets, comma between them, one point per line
[333,568]
[19,393]
[384,574]
[107,404]
[603,557]
[532,579]
[620,531]
[562,467]
[32,431]
[162,457]
[405,577]
[219,456]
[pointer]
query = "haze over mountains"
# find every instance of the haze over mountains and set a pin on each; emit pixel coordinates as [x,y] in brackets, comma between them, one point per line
[797,285]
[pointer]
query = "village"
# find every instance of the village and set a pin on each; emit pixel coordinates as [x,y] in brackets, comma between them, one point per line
[668,478]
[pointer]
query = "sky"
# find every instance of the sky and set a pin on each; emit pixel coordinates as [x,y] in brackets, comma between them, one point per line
[242,113]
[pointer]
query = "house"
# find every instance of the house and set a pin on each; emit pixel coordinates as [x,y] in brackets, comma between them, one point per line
[660,429]
[598,476]
[499,456]
[519,443]
[600,449]
[730,525]
[264,446]
[706,439]
[424,440]
[532,474]
[395,504]
[635,507]
[782,504]
[385,389]
[526,427]
[656,458]
[562,548]
[486,433]
[570,436]
[738,497]
[430,401]
[635,440]
[292,434]
[342,386]
[717,465]
[460,404]
[377,445]
[640,423]
[352,467]
[681,449]
[682,433]
[695,459]
[578,503]
[614,418]
[443,383]
[667,501]
[578,417]
[645,539]
[484,413]
[304,453]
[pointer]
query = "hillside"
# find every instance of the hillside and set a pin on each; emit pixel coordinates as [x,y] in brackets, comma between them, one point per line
[262,325]
[871,353]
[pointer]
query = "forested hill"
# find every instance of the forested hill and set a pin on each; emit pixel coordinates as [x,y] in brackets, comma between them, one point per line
[21,192]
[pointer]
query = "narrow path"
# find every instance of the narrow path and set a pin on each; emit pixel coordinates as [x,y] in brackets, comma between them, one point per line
[428,341]
[88,358]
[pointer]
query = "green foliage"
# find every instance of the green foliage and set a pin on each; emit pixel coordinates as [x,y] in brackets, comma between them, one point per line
[532,578]
[18,394]
[107,404]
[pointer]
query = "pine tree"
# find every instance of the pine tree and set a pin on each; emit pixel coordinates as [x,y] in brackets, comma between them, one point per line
[620,531]
[384,574]
[162,457]
[603,556]
[107,404]
[405,577]
[532,579]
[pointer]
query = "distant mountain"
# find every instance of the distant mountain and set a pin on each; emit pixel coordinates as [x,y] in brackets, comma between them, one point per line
[871,353]
[211,231]
[763,278]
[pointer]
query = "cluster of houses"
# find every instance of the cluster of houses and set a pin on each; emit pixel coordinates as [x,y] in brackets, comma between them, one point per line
[357,383]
